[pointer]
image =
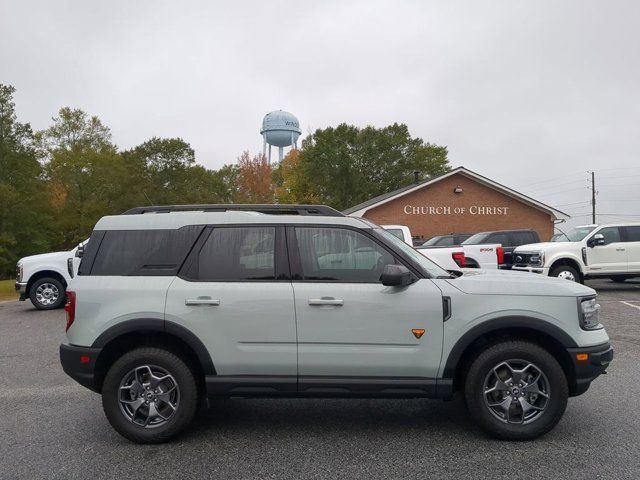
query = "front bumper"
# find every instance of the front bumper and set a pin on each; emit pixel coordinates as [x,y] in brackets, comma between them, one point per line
[80,363]
[21,288]
[586,371]
[530,269]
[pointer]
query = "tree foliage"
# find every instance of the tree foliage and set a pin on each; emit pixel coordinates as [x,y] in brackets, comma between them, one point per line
[254,179]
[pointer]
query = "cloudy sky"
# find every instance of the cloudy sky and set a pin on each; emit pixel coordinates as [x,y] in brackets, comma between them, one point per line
[531,93]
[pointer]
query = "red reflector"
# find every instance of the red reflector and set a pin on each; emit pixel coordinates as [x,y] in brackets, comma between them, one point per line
[70,308]
[460,259]
[85,358]
[500,254]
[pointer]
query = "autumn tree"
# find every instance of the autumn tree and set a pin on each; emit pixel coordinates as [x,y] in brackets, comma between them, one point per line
[254,179]
[291,184]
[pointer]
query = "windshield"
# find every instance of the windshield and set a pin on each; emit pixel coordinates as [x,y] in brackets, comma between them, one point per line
[433,269]
[574,235]
[431,241]
[476,239]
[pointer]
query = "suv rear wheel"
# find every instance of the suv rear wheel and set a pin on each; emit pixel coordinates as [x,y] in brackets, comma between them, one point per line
[149,395]
[47,293]
[516,390]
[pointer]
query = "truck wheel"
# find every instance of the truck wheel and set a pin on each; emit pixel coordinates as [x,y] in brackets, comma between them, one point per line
[149,395]
[566,272]
[516,390]
[618,278]
[47,293]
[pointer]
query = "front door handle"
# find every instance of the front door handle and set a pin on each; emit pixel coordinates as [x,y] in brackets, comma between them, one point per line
[619,249]
[336,302]
[202,301]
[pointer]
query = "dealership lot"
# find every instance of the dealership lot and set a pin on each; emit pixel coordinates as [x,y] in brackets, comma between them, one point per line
[54,428]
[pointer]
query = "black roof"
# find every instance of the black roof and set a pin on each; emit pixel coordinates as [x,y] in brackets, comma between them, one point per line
[306,210]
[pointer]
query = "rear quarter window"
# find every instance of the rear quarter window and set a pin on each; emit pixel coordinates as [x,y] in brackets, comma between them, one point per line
[141,252]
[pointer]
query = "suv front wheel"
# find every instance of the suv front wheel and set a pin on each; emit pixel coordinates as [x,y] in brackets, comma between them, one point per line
[516,390]
[149,395]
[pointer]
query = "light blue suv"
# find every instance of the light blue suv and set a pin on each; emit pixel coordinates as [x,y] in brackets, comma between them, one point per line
[171,304]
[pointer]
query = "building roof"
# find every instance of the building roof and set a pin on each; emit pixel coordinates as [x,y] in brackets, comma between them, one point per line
[360,209]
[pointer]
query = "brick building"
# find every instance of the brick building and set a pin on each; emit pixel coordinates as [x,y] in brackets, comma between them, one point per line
[460,201]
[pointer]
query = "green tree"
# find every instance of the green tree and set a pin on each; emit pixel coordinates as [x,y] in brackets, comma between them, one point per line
[87,176]
[23,201]
[346,165]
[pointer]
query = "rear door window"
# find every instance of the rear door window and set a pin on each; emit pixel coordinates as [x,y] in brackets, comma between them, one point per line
[632,234]
[501,238]
[236,254]
[522,238]
[445,241]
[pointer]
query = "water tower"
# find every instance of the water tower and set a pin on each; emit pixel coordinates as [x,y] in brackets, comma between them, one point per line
[280,129]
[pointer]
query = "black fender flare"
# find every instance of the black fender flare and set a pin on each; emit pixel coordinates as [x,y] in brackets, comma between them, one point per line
[529,323]
[142,325]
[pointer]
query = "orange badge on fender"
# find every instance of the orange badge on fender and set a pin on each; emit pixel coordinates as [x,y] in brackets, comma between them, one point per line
[417,332]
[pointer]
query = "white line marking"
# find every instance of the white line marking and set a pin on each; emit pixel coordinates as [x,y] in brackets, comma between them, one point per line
[630,304]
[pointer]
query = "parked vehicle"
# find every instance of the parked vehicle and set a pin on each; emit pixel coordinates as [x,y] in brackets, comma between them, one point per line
[43,278]
[446,240]
[167,308]
[587,251]
[400,231]
[508,239]
[476,256]
[449,260]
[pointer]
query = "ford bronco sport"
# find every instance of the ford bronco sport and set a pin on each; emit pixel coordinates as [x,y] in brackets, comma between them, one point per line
[171,304]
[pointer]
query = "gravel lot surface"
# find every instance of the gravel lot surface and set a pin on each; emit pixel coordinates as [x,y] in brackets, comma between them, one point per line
[53,428]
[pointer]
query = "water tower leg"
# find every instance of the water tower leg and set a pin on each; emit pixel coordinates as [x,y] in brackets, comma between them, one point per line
[269,154]
[264,146]
[280,153]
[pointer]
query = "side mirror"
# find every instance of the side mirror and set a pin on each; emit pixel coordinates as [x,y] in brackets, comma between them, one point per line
[396,276]
[597,239]
[80,251]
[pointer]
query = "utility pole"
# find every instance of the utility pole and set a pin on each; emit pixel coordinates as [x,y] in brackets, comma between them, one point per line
[593,197]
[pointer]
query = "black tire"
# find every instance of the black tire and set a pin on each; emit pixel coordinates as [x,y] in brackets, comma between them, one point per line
[188,395]
[57,293]
[566,269]
[482,367]
[618,279]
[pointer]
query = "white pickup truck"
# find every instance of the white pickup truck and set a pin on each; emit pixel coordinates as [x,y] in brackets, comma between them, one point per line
[487,256]
[452,258]
[584,252]
[44,278]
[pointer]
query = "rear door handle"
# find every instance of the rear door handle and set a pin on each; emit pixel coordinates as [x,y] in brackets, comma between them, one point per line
[336,302]
[619,249]
[202,301]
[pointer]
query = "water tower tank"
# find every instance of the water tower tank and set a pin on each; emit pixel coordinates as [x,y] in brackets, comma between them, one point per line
[280,129]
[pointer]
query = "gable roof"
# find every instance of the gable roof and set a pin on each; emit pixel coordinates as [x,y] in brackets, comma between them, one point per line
[360,209]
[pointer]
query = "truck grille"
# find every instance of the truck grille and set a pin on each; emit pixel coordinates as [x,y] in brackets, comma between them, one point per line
[525,259]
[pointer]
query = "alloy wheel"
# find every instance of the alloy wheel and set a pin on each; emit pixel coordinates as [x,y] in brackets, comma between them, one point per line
[516,391]
[149,396]
[47,294]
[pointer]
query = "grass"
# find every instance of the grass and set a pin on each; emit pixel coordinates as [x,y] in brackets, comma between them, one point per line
[7,290]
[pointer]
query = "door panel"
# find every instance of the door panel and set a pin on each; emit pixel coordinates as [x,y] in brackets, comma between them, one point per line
[349,324]
[368,332]
[632,237]
[608,258]
[247,327]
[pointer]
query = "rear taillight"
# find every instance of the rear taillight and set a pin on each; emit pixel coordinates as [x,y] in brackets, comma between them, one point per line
[70,308]
[500,254]
[460,259]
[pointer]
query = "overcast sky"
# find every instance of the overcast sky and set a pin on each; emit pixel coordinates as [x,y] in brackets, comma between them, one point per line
[530,93]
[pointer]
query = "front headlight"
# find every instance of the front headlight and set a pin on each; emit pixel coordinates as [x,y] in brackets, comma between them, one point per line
[537,258]
[19,272]
[589,313]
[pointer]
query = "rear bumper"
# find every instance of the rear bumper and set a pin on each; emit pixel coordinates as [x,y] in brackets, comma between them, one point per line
[79,363]
[21,288]
[586,371]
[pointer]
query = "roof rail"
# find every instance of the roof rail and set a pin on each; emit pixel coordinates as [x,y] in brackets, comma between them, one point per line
[306,210]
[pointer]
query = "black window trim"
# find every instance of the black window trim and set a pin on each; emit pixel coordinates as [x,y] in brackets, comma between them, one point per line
[281,266]
[296,265]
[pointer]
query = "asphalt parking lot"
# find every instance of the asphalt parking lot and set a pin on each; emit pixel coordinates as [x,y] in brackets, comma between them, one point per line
[54,428]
